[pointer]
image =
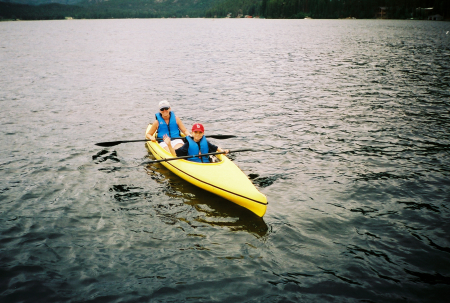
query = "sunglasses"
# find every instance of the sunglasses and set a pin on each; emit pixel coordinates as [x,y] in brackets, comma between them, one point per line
[164,108]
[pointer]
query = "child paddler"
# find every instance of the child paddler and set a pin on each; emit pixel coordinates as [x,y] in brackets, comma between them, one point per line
[195,145]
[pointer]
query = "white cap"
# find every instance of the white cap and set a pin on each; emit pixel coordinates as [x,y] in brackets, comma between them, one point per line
[164,103]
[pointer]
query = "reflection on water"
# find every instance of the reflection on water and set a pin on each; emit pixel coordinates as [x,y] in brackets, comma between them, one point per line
[212,210]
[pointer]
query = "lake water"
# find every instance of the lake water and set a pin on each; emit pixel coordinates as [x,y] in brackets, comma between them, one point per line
[357,113]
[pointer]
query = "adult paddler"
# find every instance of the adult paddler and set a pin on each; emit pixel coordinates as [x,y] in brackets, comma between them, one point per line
[167,123]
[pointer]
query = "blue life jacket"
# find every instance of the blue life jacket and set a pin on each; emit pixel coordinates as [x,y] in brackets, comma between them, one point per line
[193,150]
[171,130]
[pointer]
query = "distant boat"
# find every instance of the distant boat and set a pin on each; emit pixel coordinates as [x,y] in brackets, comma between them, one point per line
[308,18]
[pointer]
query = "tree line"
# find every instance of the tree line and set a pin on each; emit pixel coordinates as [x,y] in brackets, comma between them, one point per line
[331,9]
[106,10]
[274,9]
[360,9]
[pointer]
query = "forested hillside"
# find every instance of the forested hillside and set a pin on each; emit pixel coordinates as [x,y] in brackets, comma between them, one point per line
[395,9]
[235,8]
[332,9]
[99,9]
[102,9]
[41,2]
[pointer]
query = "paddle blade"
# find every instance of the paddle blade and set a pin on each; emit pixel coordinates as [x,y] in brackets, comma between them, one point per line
[108,144]
[220,136]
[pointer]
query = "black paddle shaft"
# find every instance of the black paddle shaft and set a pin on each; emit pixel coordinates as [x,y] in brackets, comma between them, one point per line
[114,143]
[191,156]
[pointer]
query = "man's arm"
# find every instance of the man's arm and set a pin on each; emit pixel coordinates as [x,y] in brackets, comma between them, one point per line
[213,148]
[182,151]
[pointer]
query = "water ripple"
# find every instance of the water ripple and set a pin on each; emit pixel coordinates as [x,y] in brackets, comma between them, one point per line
[351,117]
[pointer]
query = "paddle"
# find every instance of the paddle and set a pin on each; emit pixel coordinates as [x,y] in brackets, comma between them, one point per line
[208,154]
[114,143]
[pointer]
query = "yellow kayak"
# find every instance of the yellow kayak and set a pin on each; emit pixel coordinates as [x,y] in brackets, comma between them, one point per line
[222,178]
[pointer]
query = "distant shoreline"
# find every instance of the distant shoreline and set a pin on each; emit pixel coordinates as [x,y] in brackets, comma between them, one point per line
[211,9]
[71,18]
